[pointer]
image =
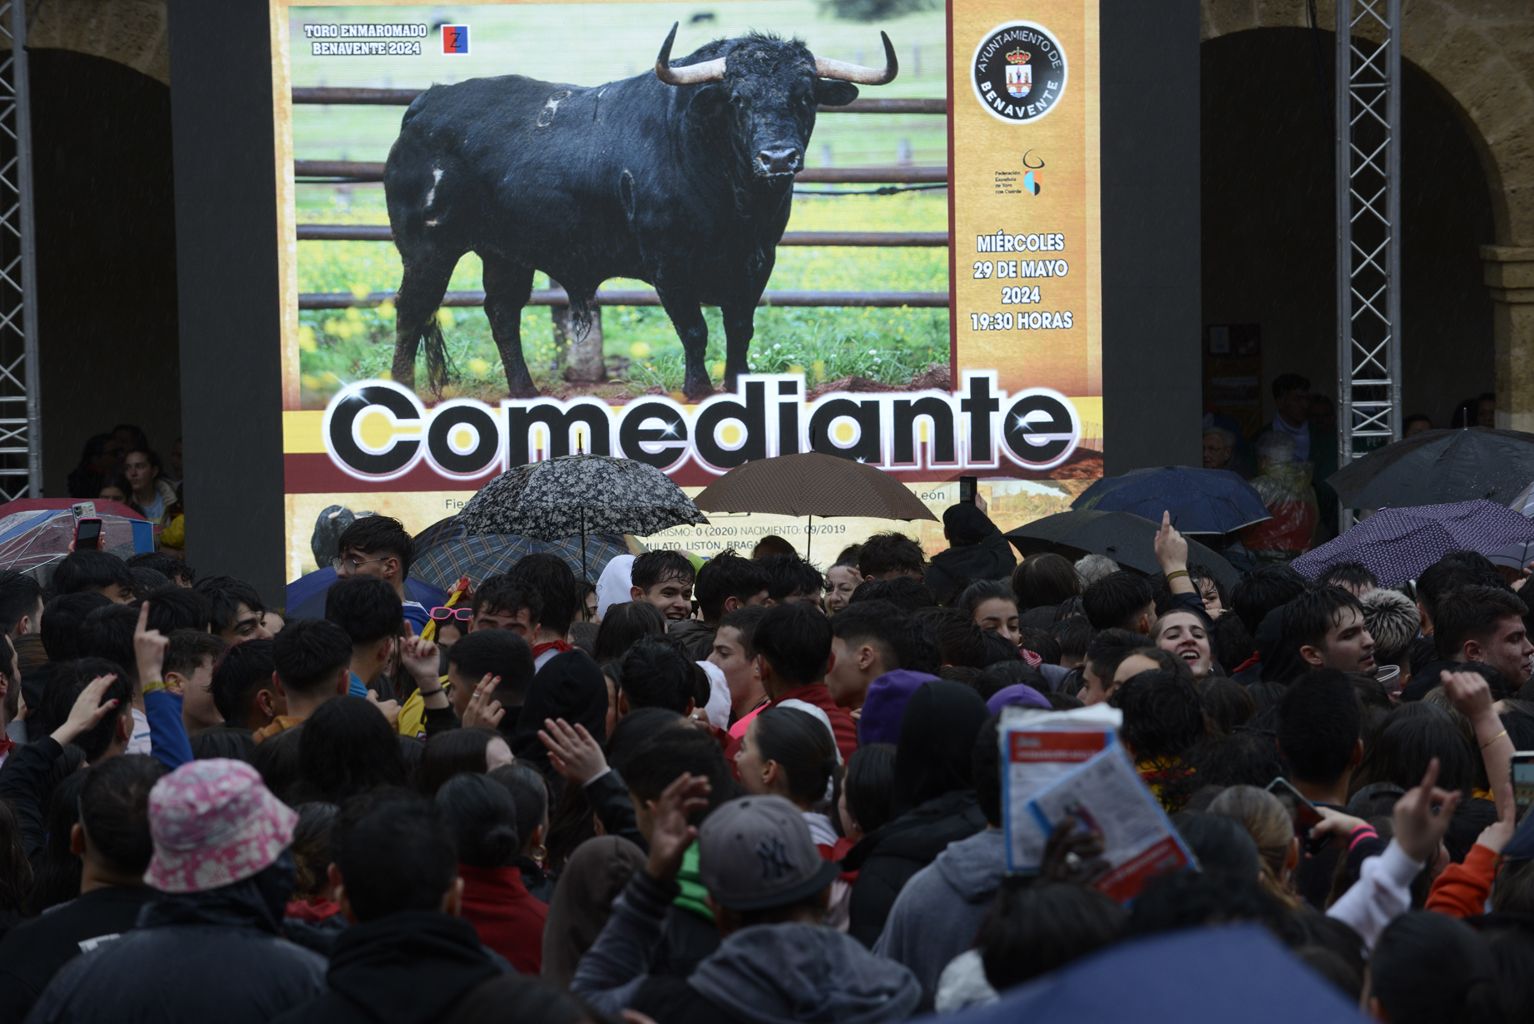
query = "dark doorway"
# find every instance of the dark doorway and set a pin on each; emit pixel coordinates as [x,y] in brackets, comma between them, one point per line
[1269,220]
[106,255]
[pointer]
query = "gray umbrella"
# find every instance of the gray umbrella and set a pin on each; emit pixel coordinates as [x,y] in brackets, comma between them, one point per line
[577,495]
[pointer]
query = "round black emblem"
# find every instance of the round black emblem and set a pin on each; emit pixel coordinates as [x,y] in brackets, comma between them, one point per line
[1019,72]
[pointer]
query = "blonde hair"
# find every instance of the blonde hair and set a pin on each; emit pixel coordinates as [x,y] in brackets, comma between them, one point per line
[1268,823]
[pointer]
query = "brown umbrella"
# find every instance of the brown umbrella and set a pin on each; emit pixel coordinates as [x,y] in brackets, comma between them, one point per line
[812,484]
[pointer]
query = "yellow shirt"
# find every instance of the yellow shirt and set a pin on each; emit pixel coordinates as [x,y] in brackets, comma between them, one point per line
[412,714]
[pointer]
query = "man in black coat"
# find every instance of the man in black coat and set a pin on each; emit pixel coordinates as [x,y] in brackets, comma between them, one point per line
[113,844]
[407,957]
[978,551]
[210,949]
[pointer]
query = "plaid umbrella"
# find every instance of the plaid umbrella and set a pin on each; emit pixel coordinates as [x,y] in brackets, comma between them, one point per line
[1439,466]
[445,552]
[1396,544]
[1200,500]
[304,598]
[576,496]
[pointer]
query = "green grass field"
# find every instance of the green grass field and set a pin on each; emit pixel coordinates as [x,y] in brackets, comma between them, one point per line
[588,44]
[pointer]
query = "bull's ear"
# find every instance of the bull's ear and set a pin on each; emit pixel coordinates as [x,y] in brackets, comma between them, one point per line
[831,93]
[708,102]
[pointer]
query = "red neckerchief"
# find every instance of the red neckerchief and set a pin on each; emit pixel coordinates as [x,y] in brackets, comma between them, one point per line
[1248,663]
[6,746]
[313,911]
[553,645]
[1033,658]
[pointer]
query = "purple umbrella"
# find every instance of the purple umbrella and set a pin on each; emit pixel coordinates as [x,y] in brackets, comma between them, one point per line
[1396,544]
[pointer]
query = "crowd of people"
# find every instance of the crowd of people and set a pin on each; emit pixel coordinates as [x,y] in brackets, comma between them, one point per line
[1289,459]
[121,466]
[746,791]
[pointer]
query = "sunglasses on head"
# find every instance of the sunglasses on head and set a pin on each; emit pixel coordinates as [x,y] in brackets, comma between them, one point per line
[442,613]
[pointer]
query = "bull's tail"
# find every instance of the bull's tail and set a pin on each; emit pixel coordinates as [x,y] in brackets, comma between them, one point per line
[438,367]
[582,313]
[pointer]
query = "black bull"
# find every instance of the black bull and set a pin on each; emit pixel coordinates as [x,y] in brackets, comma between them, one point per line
[682,178]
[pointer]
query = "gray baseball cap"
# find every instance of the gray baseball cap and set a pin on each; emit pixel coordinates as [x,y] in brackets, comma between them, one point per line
[755,853]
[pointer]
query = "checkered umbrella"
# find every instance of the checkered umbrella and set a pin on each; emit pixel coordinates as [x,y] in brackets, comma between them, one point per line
[578,496]
[1396,544]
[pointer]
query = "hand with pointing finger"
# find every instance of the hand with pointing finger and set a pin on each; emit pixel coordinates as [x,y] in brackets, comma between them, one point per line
[1422,816]
[149,646]
[1171,546]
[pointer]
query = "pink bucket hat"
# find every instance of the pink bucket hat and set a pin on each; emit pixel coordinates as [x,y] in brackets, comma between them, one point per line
[214,823]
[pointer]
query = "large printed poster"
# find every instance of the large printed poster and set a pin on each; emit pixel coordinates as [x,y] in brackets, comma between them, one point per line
[512,231]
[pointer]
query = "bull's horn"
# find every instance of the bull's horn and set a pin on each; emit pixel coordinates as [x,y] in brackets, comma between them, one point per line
[691,74]
[825,67]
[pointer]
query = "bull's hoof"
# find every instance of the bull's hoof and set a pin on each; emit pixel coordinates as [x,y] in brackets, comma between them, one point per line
[696,390]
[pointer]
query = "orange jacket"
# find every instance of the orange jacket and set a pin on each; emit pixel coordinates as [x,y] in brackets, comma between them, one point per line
[1462,889]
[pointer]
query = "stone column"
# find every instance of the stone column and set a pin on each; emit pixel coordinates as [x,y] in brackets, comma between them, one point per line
[1510,276]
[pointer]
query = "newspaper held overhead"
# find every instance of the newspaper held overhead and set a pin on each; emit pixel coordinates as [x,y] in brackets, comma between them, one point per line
[1063,764]
[1038,749]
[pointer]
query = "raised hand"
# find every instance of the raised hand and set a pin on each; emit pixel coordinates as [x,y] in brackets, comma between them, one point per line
[88,710]
[149,647]
[1422,816]
[1468,692]
[419,658]
[1171,546]
[670,831]
[483,708]
[1074,853]
[572,751]
[1335,825]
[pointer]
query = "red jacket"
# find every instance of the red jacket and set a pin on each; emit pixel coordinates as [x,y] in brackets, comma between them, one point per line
[507,917]
[842,726]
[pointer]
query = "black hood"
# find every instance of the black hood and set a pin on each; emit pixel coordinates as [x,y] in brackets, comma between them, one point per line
[990,558]
[774,974]
[410,966]
[255,902]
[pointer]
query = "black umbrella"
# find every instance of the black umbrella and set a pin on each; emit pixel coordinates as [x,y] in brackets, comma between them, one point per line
[1438,467]
[1200,500]
[1128,539]
[578,495]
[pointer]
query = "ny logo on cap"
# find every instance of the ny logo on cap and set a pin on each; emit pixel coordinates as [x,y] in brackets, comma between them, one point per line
[774,858]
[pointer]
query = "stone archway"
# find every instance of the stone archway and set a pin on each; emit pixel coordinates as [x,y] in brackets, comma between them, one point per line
[134,33]
[1482,56]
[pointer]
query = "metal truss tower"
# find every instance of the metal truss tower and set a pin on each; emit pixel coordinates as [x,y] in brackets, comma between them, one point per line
[1368,225]
[20,434]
